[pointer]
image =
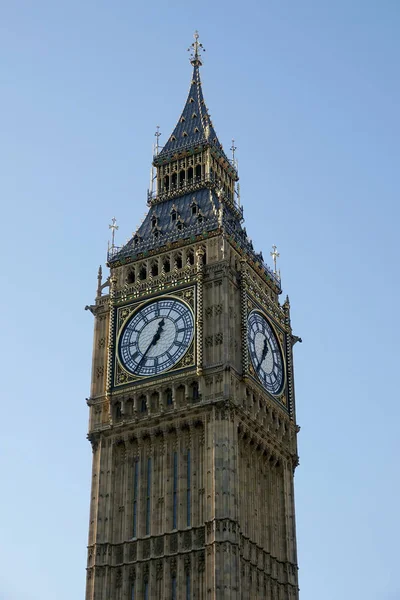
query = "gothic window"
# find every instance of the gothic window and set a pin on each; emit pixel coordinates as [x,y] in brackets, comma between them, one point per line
[136,240]
[190,257]
[174,491]
[184,134]
[196,130]
[174,215]
[194,207]
[153,221]
[154,401]
[118,411]
[178,259]
[188,490]
[148,496]
[166,182]
[174,180]
[200,218]
[190,174]
[198,171]
[143,272]
[180,395]
[154,269]
[173,587]
[179,226]
[135,496]
[129,407]
[195,391]
[182,177]
[168,396]
[167,265]
[131,277]
[194,116]
[143,404]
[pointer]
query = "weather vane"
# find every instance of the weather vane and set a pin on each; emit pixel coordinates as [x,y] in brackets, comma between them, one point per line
[274,255]
[113,228]
[195,50]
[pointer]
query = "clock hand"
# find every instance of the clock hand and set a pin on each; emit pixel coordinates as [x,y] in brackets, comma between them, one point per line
[155,339]
[264,354]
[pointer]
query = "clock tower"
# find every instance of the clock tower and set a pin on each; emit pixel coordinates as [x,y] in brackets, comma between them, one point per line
[192,409]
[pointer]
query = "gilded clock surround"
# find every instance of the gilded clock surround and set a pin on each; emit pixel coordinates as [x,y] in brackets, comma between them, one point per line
[123,376]
[276,321]
[192,480]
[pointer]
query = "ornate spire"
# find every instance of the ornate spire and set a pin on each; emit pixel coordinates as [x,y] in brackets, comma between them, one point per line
[195,50]
[194,126]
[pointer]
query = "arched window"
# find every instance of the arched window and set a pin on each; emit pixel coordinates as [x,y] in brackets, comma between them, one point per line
[190,174]
[174,215]
[131,277]
[190,257]
[174,180]
[181,177]
[168,396]
[178,261]
[154,269]
[166,182]
[167,265]
[198,171]
[195,391]
[118,411]
[153,221]
[143,272]
[143,404]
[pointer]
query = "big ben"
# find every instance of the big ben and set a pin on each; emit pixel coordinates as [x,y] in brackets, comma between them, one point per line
[192,407]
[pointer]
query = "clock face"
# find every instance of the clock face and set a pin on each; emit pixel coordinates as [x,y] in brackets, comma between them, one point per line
[156,337]
[265,352]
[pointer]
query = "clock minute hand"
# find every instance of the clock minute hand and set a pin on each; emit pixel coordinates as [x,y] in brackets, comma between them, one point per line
[264,354]
[155,339]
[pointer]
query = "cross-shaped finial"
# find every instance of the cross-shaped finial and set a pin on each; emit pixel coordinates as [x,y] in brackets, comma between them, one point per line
[195,50]
[274,255]
[157,135]
[113,228]
[233,148]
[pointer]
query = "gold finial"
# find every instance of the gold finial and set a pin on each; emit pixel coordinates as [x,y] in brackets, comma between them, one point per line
[274,255]
[113,228]
[195,50]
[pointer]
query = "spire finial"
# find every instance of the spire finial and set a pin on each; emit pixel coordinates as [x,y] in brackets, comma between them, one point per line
[274,255]
[113,228]
[195,50]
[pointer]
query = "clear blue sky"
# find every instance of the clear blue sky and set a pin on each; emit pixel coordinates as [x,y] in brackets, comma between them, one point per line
[310,91]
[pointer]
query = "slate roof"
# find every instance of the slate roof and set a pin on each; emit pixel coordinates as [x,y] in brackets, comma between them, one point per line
[194,126]
[166,229]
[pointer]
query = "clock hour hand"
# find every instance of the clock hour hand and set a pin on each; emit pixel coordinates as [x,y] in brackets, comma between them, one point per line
[264,354]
